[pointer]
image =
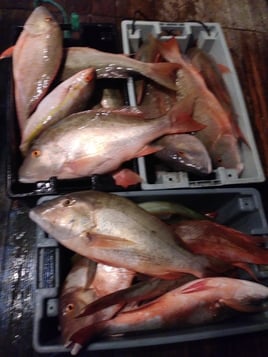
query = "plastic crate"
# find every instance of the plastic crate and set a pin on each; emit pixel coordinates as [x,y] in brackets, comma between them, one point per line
[238,208]
[210,38]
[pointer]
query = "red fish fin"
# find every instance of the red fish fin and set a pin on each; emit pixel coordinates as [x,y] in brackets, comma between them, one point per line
[164,73]
[107,242]
[126,178]
[91,75]
[170,50]
[149,149]
[247,268]
[7,53]
[223,69]
[182,121]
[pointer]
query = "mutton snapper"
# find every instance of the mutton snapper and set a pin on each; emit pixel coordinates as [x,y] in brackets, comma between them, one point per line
[114,230]
[97,142]
[37,56]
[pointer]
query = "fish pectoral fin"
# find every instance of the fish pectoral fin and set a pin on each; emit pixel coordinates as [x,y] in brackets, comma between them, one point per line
[7,52]
[104,241]
[126,178]
[241,306]
[148,149]
[80,166]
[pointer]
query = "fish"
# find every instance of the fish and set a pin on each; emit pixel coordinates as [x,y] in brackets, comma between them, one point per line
[195,98]
[139,292]
[101,141]
[88,281]
[110,65]
[111,229]
[68,97]
[197,302]
[213,72]
[207,237]
[184,152]
[168,208]
[37,57]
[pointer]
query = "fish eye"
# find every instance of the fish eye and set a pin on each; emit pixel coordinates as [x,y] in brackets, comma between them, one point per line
[48,19]
[68,202]
[69,308]
[36,153]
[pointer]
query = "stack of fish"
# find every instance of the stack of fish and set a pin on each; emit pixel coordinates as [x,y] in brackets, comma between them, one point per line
[147,266]
[133,271]
[64,135]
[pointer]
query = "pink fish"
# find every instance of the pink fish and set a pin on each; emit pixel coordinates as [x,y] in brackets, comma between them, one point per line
[86,282]
[197,302]
[212,239]
[101,142]
[36,59]
[194,97]
[110,65]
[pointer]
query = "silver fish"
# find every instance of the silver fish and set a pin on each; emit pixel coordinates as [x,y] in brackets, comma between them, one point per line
[110,65]
[100,142]
[114,230]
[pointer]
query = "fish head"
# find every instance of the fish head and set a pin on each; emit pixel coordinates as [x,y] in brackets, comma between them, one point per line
[67,218]
[71,304]
[40,21]
[38,165]
[225,153]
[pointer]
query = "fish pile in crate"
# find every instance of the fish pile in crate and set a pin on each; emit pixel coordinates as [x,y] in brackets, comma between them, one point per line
[137,267]
[145,266]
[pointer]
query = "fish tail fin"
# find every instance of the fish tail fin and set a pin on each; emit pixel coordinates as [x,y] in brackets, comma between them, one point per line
[163,73]
[182,121]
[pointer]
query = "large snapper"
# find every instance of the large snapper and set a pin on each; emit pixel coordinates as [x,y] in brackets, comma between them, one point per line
[68,97]
[85,283]
[200,301]
[114,230]
[36,59]
[218,135]
[97,142]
